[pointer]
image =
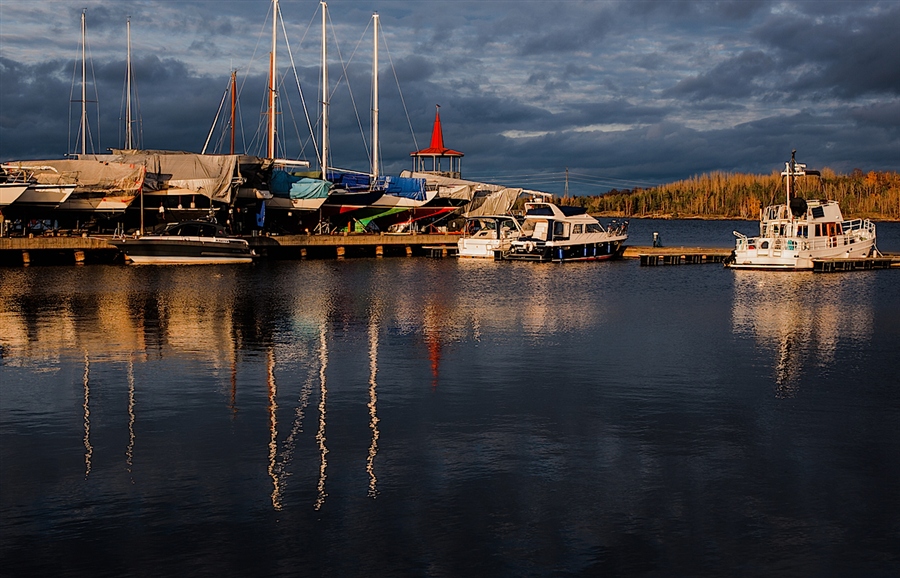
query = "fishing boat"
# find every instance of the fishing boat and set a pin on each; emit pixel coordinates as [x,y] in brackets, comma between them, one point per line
[188,242]
[554,233]
[794,234]
[485,234]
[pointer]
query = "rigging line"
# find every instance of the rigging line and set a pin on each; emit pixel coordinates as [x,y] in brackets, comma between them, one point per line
[299,89]
[362,131]
[402,100]
[344,75]
[216,120]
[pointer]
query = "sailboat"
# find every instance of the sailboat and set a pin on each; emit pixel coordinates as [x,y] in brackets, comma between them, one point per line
[291,184]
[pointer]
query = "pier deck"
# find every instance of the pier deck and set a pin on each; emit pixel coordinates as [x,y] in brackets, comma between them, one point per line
[81,249]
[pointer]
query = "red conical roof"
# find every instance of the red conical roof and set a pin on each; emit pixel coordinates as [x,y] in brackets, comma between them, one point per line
[437,140]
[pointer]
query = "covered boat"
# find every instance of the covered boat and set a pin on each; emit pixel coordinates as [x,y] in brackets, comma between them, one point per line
[794,234]
[488,233]
[189,242]
[554,233]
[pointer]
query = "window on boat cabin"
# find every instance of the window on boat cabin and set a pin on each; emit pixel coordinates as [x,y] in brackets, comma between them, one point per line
[577,229]
[560,230]
[802,231]
[818,229]
[539,231]
[187,230]
[594,228]
[764,245]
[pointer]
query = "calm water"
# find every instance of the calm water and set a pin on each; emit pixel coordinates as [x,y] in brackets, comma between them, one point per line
[418,417]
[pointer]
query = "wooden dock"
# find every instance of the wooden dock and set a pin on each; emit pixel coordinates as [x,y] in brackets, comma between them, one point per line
[657,256]
[96,249]
[844,265]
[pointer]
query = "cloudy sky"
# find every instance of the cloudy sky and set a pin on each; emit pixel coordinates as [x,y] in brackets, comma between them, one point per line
[629,93]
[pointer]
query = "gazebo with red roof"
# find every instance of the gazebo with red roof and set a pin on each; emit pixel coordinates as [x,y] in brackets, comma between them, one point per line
[436,153]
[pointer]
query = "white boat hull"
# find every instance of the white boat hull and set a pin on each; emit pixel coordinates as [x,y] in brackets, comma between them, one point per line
[9,193]
[45,195]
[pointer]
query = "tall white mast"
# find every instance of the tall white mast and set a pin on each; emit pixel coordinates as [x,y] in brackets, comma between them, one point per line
[129,140]
[271,141]
[83,87]
[324,95]
[375,102]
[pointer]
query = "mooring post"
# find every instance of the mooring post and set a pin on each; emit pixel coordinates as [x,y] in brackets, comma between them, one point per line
[340,252]
[79,257]
[26,258]
[409,251]
[379,251]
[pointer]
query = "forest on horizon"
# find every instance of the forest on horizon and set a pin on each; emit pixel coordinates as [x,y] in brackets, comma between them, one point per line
[871,195]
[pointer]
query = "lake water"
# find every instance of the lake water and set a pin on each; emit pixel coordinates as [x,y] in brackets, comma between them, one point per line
[419,417]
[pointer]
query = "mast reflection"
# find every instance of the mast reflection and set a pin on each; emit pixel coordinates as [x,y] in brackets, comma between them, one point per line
[320,435]
[88,449]
[373,398]
[273,429]
[129,450]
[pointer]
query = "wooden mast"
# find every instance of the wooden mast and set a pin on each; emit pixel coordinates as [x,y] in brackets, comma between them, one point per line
[270,149]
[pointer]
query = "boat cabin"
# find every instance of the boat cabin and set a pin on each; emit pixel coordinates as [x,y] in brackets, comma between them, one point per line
[195,229]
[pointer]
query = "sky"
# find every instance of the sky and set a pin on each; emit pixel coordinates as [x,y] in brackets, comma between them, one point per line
[621,94]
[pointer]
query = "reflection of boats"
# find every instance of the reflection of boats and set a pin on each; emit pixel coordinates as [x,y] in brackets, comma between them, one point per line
[792,235]
[187,242]
[484,235]
[553,233]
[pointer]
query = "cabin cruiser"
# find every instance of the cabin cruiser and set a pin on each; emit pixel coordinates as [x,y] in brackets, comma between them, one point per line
[485,234]
[796,233]
[184,243]
[554,233]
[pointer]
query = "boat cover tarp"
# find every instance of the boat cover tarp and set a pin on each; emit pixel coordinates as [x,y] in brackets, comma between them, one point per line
[409,188]
[286,185]
[89,175]
[183,173]
[350,181]
[496,203]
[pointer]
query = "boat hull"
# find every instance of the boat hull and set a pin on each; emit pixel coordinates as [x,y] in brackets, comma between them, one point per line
[596,251]
[153,250]
[10,193]
[798,254]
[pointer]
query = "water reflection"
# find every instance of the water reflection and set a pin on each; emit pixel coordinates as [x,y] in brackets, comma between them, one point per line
[800,318]
[88,448]
[192,333]
[373,399]
[320,434]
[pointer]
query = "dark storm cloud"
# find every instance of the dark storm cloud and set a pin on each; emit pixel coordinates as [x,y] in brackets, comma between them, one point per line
[644,91]
[849,55]
[742,76]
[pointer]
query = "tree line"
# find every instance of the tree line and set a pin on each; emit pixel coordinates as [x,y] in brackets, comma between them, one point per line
[718,195]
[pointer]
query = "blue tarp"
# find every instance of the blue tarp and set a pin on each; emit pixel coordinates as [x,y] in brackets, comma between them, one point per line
[285,184]
[350,181]
[404,187]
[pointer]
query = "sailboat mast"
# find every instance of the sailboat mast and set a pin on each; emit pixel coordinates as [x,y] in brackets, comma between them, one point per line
[83,85]
[375,102]
[271,142]
[233,105]
[324,94]
[129,143]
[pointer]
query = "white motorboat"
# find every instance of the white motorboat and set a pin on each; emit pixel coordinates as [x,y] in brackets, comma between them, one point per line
[554,233]
[485,234]
[794,234]
[189,242]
